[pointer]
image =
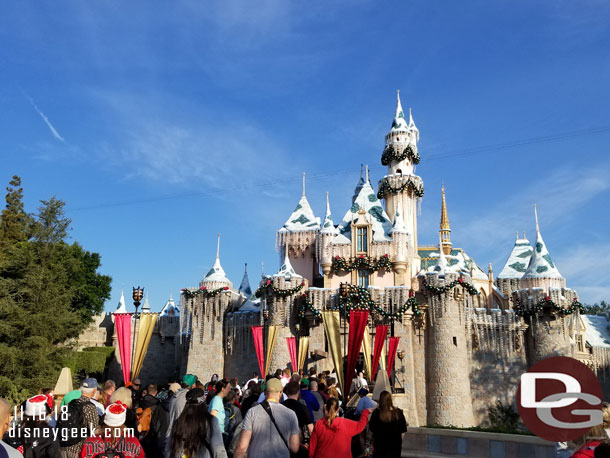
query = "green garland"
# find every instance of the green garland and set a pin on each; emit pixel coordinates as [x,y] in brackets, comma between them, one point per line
[520,310]
[273,291]
[390,154]
[359,298]
[385,188]
[203,291]
[306,306]
[443,289]
[362,262]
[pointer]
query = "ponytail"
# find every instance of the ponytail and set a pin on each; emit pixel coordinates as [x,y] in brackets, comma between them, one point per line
[332,407]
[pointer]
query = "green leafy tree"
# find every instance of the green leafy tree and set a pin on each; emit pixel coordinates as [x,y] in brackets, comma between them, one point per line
[602,307]
[49,291]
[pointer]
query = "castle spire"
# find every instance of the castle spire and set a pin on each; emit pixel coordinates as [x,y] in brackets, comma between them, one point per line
[303,184]
[216,273]
[328,226]
[146,306]
[399,122]
[441,265]
[286,270]
[244,287]
[445,229]
[121,307]
[541,266]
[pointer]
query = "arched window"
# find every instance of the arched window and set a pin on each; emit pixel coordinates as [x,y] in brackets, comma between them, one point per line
[483,299]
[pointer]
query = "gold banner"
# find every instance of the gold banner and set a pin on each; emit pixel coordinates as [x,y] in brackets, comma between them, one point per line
[271,337]
[303,347]
[366,350]
[333,334]
[146,325]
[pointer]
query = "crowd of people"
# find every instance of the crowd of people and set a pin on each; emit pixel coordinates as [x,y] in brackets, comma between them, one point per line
[284,415]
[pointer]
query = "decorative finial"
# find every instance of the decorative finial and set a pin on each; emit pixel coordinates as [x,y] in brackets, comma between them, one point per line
[517,235]
[366,168]
[524,235]
[303,184]
[171,296]
[262,268]
[490,268]
[398,94]
[218,247]
[536,215]
[361,169]
[245,267]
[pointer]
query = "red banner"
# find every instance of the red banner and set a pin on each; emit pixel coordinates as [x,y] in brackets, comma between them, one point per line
[357,325]
[381,331]
[292,352]
[122,323]
[392,348]
[257,335]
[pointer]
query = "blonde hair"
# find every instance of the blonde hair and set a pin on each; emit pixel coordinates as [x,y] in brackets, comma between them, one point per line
[332,407]
[122,394]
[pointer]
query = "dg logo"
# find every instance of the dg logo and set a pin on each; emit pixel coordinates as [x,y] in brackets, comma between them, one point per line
[559,399]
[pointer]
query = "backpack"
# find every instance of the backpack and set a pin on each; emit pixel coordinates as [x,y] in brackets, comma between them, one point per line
[75,419]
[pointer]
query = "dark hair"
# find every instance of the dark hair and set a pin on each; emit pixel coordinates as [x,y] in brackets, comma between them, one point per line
[602,450]
[190,430]
[231,395]
[291,388]
[387,411]
[152,387]
[220,384]
[256,389]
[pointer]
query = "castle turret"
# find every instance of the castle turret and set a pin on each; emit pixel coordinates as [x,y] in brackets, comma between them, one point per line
[327,233]
[298,236]
[279,295]
[400,246]
[509,279]
[449,396]
[445,230]
[541,271]
[121,306]
[206,307]
[401,188]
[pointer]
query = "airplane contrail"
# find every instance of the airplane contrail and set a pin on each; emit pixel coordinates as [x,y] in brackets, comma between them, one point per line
[45,119]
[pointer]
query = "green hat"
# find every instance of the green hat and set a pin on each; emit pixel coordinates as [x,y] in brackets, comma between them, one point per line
[305,381]
[71,396]
[189,379]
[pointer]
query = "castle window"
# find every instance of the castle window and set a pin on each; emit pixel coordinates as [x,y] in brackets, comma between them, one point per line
[361,239]
[455,341]
[579,343]
[363,278]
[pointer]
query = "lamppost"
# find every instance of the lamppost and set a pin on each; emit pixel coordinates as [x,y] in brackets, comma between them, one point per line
[138,294]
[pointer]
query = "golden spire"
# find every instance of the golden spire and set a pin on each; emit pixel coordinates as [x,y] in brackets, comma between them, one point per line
[445,230]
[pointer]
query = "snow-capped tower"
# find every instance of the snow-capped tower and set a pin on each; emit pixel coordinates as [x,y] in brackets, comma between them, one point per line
[146,306]
[121,307]
[244,287]
[445,230]
[509,278]
[541,271]
[216,276]
[328,232]
[401,188]
[298,236]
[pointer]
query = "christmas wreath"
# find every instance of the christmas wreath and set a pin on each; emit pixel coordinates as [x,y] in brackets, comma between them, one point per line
[362,262]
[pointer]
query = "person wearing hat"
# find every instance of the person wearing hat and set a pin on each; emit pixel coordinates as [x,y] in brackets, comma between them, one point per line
[196,433]
[89,415]
[307,396]
[269,429]
[176,405]
[30,437]
[113,438]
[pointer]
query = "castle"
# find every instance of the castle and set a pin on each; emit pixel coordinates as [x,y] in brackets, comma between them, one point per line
[465,335]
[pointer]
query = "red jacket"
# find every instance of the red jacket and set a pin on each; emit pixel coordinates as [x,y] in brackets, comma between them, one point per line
[587,450]
[335,441]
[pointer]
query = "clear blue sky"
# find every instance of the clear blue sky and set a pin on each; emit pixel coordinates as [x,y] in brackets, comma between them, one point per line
[163,123]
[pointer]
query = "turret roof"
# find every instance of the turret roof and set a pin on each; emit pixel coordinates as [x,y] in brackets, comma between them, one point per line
[399,122]
[398,227]
[121,307]
[244,287]
[541,265]
[302,218]
[146,306]
[518,260]
[328,226]
[169,306]
[216,273]
[286,269]
[368,201]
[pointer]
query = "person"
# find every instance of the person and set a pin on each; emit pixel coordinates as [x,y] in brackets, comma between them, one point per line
[123,394]
[388,425]
[235,387]
[286,374]
[269,429]
[98,402]
[332,435]
[602,450]
[253,379]
[313,388]
[5,423]
[196,433]
[177,404]
[595,435]
[217,408]
[211,385]
[365,402]
[108,388]
[113,437]
[302,412]
[33,436]
[307,396]
[153,420]
[134,386]
[332,390]
[252,399]
[88,415]
[233,416]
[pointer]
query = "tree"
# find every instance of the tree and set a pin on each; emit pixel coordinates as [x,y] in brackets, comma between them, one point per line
[602,307]
[49,291]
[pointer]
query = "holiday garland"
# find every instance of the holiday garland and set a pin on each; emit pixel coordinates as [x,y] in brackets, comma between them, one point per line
[306,306]
[362,262]
[391,154]
[359,298]
[385,188]
[203,291]
[273,291]
[443,289]
[520,310]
